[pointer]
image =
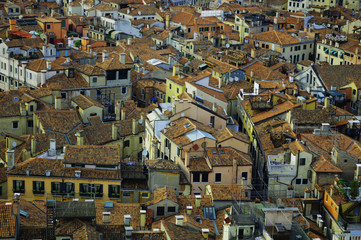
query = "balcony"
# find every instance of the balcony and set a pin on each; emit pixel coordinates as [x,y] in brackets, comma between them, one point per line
[336,37]
[281,169]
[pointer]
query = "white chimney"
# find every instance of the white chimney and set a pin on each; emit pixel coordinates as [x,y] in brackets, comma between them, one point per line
[198,200]
[189,210]
[42,77]
[48,65]
[127,219]
[122,58]
[106,217]
[179,220]
[105,56]
[52,150]
[128,232]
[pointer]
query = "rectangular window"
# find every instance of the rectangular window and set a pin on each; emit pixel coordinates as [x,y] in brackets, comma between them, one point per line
[114,191]
[126,194]
[305,181]
[48,26]
[189,30]
[218,177]
[18,186]
[95,80]
[206,29]
[160,211]
[170,86]
[213,29]
[15,124]
[126,143]
[124,90]
[171,209]
[38,187]
[145,195]
[302,161]
[298,181]
[30,123]
[177,90]
[140,140]
[204,177]
[31,108]
[196,177]
[244,175]
[178,152]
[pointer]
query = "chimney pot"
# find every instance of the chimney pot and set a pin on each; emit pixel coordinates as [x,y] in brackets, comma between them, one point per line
[179,220]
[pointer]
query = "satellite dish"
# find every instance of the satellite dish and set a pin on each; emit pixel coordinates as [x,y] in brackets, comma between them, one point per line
[145,153]
[227,45]
[14,144]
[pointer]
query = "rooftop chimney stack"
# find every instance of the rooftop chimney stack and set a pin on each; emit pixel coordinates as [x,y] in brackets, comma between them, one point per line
[179,220]
[52,150]
[117,110]
[127,219]
[134,126]
[114,132]
[205,232]
[106,217]
[33,145]
[80,137]
[198,200]
[176,70]
[105,56]
[143,214]
[189,210]
[57,102]
[10,159]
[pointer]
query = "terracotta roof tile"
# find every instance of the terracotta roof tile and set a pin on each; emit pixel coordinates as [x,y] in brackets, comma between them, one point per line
[322,165]
[224,156]
[92,155]
[85,102]
[62,121]
[162,164]
[220,192]
[163,193]
[8,221]
[117,214]
[198,164]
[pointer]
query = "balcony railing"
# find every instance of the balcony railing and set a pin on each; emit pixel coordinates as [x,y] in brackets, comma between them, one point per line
[281,169]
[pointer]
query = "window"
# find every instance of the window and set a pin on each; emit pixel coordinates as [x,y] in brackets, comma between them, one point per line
[145,195]
[114,191]
[160,211]
[63,95]
[171,209]
[95,80]
[298,181]
[218,177]
[30,123]
[31,108]
[89,190]
[124,90]
[206,29]
[48,26]
[15,124]
[177,90]
[213,29]
[189,30]
[18,186]
[245,175]
[126,143]
[140,140]
[345,161]
[169,99]
[38,187]
[354,92]
[302,161]
[305,181]
[170,86]
[126,194]
[212,121]
[178,152]
[204,177]
[196,177]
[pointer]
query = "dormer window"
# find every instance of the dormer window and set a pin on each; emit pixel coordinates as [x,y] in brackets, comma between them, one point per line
[77,173]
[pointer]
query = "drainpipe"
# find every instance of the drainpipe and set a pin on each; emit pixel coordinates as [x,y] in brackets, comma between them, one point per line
[298,163]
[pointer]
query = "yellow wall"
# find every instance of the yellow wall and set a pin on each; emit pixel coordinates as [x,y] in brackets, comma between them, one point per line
[331,205]
[173,92]
[28,195]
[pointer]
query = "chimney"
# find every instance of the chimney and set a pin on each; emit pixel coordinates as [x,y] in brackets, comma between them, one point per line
[117,110]
[220,83]
[234,171]
[128,232]
[307,193]
[209,36]
[198,200]
[33,145]
[122,114]
[252,73]
[127,219]
[143,214]
[52,149]
[175,69]
[105,55]
[205,232]
[325,128]
[122,58]
[167,21]
[331,191]
[129,41]
[253,53]
[48,65]
[319,217]
[80,137]
[10,159]
[43,76]
[179,220]
[214,107]
[22,109]
[134,126]
[106,217]
[58,102]
[114,132]
[189,210]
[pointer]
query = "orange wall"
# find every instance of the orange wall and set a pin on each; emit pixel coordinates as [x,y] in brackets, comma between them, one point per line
[331,205]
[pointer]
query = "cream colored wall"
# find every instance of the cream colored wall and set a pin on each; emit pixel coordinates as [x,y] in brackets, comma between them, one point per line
[236,144]
[85,113]
[188,109]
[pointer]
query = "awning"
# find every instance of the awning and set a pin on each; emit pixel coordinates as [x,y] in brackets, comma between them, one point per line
[326,50]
